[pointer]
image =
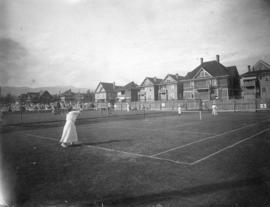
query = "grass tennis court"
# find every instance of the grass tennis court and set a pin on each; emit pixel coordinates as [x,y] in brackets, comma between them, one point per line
[127,159]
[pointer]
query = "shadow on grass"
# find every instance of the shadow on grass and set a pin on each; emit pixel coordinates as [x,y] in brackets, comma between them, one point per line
[104,142]
[193,191]
[96,143]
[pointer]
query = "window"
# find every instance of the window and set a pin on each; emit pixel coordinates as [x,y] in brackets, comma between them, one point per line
[188,94]
[202,74]
[222,82]
[201,84]
[208,83]
[186,84]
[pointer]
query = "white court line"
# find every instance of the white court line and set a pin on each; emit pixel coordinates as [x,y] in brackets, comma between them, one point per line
[138,155]
[42,137]
[228,147]
[148,129]
[201,140]
[189,132]
[118,151]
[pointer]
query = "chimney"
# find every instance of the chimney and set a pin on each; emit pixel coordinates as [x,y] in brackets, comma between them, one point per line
[155,79]
[201,61]
[113,85]
[217,57]
[177,76]
[249,68]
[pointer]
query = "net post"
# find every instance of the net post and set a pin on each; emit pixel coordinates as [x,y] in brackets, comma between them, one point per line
[143,111]
[200,109]
[21,113]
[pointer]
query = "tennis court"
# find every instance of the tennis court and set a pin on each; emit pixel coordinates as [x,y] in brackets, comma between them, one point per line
[143,160]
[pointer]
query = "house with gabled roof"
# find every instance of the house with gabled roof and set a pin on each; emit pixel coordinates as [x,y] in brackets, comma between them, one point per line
[71,97]
[45,97]
[106,92]
[68,96]
[36,97]
[212,80]
[149,89]
[128,93]
[255,82]
[171,87]
[32,97]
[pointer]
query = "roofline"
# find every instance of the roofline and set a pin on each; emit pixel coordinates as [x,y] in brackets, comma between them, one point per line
[255,73]
[200,70]
[263,62]
[150,80]
[213,77]
[169,74]
[201,65]
[97,86]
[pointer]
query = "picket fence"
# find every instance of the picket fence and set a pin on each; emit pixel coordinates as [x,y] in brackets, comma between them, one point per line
[232,105]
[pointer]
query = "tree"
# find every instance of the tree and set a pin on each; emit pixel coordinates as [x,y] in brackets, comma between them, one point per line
[89,96]
[8,99]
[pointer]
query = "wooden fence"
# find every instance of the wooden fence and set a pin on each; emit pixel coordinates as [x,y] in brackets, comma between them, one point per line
[232,105]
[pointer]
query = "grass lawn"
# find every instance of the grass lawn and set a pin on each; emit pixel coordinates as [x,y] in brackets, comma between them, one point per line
[128,160]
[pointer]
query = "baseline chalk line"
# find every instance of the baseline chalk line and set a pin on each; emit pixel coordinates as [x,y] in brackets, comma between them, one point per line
[113,150]
[228,147]
[201,140]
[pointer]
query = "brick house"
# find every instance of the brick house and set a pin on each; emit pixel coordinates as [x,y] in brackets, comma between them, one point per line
[128,92]
[171,88]
[149,89]
[212,80]
[256,82]
[106,92]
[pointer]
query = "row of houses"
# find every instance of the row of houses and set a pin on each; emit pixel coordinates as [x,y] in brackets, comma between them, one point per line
[45,97]
[208,81]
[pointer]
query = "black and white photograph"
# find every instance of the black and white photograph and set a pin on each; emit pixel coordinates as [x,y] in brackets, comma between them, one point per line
[134,103]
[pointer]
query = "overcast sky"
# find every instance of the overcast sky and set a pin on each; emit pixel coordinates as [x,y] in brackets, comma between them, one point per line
[83,42]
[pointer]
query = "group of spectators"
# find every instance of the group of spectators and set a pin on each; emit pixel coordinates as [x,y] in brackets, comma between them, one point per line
[9,107]
[55,107]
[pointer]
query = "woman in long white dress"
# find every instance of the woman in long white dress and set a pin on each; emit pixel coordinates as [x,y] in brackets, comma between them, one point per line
[214,109]
[179,109]
[69,135]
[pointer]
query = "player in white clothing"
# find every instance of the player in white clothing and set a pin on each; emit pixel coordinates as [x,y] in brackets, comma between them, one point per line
[69,135]
[214,110]
[179,110]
